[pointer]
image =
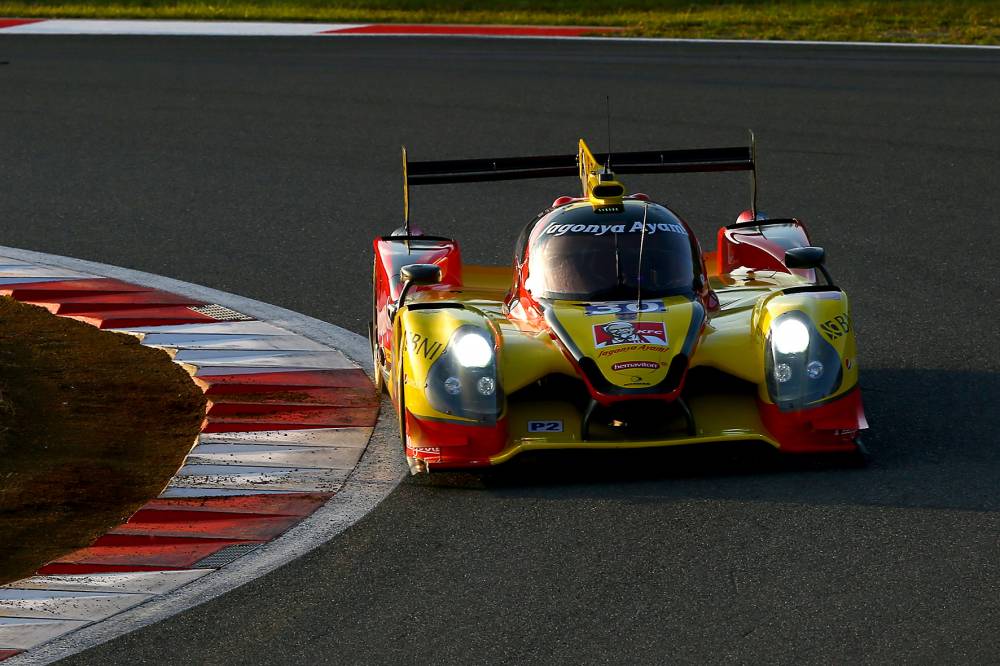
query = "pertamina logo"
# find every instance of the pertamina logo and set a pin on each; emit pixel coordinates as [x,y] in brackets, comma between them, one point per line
[630,333]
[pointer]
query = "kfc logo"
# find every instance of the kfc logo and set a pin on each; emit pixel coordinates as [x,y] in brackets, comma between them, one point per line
[630,333]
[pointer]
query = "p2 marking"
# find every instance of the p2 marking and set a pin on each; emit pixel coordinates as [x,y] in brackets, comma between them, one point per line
[545,426]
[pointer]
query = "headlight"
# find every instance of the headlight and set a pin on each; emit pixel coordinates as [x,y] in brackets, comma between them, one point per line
[473,351]
[486,385]
[790,337]
[782,372]
[800,367]
[463,380]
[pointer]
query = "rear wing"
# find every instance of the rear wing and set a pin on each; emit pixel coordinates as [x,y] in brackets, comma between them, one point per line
[595,178]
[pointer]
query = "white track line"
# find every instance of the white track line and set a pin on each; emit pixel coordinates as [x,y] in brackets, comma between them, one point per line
[379,471]
[174,28]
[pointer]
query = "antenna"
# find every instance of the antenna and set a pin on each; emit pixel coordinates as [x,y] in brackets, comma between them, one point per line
[753,175]
[642,243]
[607,165]
[406,196]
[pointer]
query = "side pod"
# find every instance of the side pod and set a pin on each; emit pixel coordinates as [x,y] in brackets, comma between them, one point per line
[761,245]
[809,400]
[447,386]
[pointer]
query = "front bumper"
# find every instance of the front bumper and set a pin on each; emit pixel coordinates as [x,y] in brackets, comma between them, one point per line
[829,428]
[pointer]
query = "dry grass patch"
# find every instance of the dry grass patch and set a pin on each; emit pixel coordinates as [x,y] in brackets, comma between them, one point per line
[92,425]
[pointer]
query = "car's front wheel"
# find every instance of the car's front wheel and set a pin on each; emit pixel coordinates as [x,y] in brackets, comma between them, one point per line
[379,368]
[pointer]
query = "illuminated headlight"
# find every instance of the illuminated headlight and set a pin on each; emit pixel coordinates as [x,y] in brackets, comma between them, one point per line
[800,366]
[463,381]
[790,337]
[472,350]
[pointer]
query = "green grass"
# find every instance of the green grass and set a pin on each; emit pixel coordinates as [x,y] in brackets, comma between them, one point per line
[960,21]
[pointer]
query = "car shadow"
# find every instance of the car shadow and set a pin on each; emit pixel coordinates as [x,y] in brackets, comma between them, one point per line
[933,444]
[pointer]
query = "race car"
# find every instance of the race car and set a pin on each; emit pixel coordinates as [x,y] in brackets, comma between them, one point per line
[613,329]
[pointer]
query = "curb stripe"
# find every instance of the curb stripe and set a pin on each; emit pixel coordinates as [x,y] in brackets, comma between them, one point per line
[288,420]
[11,23]
[269,381]
[278,29]
[153,582]
[169,28]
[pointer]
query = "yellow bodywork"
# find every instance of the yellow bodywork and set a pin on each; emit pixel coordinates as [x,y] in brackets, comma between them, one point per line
[731,340]
[658,330]
[600,186]
[722,418]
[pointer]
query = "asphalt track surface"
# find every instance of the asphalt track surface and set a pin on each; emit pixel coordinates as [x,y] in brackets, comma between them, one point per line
[264,167]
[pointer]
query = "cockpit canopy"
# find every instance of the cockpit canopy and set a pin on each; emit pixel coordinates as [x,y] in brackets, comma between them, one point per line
[577,252]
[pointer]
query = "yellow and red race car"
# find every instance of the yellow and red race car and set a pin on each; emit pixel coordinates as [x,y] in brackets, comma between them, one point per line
[613,329]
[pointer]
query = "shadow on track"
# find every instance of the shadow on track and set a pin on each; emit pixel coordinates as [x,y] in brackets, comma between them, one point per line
[932,442]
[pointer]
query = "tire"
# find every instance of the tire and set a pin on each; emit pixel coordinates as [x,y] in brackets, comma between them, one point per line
[379,376]
[860,458]
[401,399]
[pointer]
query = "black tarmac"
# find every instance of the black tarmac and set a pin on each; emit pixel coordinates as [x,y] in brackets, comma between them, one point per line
[265,167]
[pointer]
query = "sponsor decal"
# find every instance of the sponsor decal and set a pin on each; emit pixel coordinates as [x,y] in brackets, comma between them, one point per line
[555,229]
[836,327]
[618,332]
[545,426]
[623,307]
[621,349]
[635,365]
[427,449]
[421,344]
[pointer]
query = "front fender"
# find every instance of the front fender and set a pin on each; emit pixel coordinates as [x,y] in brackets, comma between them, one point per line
[426,338]
[825,312]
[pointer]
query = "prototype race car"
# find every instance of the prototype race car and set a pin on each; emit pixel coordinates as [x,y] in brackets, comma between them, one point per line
[614,329]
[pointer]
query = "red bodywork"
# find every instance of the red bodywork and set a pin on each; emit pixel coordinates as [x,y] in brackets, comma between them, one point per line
[830,427]
[761,246]
[455,445]
[391,256]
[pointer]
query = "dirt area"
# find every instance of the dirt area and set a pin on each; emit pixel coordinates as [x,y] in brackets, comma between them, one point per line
[92,425]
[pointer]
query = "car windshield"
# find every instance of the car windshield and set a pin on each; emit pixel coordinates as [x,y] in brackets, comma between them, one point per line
[577,253]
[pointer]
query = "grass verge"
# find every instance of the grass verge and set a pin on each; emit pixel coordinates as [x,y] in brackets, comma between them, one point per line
[92,425]
[958,21]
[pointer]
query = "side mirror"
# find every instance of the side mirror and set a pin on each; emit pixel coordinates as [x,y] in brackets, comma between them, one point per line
[417,274]
[420,274]
[808,257]
[805,257]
